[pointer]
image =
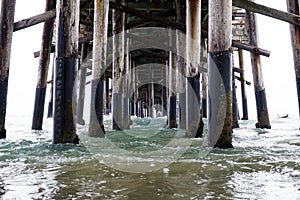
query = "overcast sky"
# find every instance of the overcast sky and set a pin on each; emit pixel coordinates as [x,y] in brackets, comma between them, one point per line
[274,35]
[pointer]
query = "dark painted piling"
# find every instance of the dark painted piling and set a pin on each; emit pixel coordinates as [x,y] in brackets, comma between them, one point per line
[40,93]
[101,9]
[220,74]
[194,127]
[260,92]
[293,7]
[118,23]
[172,94]
[182,110]
[50,104]
[235,110]
[107,98]
[164,98]
[142,114]
[7,26]
[243,89]
[64,130]
[194,118]
[82,83]
[204,95]
[204,78]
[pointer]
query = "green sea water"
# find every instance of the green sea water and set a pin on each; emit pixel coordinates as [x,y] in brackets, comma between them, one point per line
[264,164]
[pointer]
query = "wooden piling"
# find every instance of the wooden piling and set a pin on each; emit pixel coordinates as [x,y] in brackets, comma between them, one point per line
[67,32]
[193,48]
[153,114]
[7,26]
[293,7]
[50,104]
[40,93]
[243,89]
[235,110]
[82,83]
[219,64]
[260,92]
[172,94]
[118,23]
[204,95]
[181,67]
[204,78]
[125,86]
[107,98]
[101,9]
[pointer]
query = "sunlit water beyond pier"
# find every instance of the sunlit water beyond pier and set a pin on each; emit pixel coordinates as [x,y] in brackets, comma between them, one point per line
[264,164]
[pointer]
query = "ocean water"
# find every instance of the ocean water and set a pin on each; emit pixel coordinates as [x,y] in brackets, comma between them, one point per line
[150,162]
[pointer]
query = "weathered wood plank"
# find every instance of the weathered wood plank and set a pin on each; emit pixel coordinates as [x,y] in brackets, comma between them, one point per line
[143,14]
[25,23]
[139,22]
[264,10]
[251,48]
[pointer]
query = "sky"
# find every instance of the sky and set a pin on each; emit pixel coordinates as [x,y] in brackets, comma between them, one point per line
[278,69]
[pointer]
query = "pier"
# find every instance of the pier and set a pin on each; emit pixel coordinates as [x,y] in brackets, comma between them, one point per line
[170,58]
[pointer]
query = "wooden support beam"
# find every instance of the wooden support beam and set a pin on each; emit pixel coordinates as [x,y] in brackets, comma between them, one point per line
[40,93]
[144,14]
[154,54]
[271,12]
[251,48]
[247,47]
[67,32]
[142,21]
[44,17]
[101,9]
[6,33]
[238,70]
[260,93]
[220,74]
[239,79]
[82,40]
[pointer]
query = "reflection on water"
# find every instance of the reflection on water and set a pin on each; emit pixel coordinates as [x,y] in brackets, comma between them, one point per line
[263,165]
